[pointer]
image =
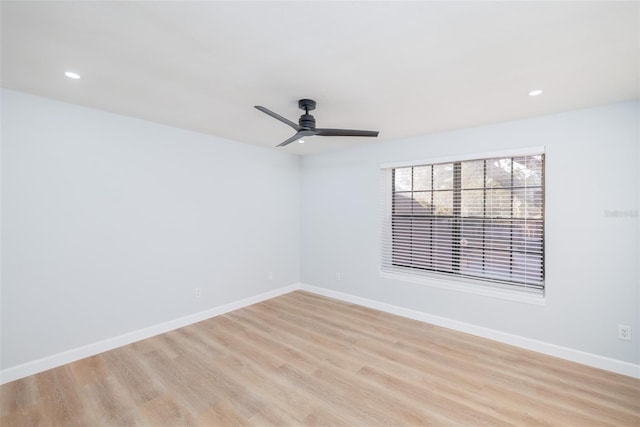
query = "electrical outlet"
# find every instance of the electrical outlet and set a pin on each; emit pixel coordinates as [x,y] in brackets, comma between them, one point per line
[624,332]
[198,292]
[338,275]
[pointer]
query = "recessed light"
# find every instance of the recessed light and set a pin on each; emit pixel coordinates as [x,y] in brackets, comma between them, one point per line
[535,92]
[301,141]
[72,75]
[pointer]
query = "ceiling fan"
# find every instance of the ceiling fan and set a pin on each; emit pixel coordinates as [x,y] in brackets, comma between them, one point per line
[307,124]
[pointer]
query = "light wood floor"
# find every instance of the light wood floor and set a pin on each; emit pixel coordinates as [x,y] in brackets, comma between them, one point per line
[302,359]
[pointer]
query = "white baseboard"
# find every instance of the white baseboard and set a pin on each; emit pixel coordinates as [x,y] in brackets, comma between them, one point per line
[59,359]
[49,362]
[589,359]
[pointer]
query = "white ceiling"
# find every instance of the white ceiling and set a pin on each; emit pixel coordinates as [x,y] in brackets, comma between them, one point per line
[403,68]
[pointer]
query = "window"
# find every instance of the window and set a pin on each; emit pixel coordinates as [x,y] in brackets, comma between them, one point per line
[479,219]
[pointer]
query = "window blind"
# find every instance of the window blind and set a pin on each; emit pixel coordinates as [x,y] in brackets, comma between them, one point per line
[480,219]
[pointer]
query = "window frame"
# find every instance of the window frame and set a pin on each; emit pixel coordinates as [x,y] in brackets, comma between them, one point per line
[453,281]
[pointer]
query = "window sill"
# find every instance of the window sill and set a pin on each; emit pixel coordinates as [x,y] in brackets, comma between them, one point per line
[466,285]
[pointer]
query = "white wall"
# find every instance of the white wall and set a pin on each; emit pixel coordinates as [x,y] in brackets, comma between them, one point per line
[109,224]
[592,276]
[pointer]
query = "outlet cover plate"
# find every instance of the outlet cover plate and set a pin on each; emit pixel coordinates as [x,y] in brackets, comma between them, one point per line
[624,332]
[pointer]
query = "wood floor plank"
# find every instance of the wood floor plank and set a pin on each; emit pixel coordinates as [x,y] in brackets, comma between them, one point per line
[304,359]
[106,402]
[19,395]
[221,414]
[163,410]
[60,397]
[89,370]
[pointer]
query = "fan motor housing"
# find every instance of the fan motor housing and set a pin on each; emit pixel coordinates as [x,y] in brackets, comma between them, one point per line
[307,121]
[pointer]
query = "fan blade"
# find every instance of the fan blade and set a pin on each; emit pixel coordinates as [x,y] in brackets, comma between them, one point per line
[295,137]
[300,134]
[278,117]
[346,132]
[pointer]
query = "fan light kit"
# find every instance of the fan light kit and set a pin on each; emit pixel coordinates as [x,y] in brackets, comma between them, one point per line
[307,124]
[535,92]
[72,75]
